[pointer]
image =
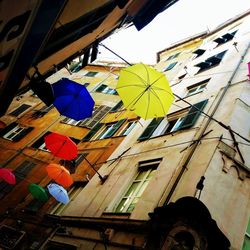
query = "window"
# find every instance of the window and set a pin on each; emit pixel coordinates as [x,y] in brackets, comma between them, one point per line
[210,62]
[103,88]
[15,132]
[20,172]
[146,172]
[173,56]
[108,130]
[197,88]
[20,110]
[72,193]
[40,144]
[91,74]
[128,128]
[180,120]
[170,66]
[98,113]
[42,111]
[246,244]
[225,38]
[117,107]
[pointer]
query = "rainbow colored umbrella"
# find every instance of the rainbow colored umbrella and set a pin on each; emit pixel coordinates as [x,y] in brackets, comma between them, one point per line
[145,91]
[38,192]
[58,192]
[72,99]
[7,175]
[61,146]
[59,174]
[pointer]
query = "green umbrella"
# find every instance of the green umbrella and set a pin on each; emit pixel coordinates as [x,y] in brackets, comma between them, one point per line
[38,192]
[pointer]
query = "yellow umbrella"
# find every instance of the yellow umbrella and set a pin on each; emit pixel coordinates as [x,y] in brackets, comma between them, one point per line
[145,91]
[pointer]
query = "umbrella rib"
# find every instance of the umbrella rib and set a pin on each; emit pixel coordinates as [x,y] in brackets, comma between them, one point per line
[148,104]
[156,80]
[140,78]
[147,83]
[154,93]
[168,92]
[131,85]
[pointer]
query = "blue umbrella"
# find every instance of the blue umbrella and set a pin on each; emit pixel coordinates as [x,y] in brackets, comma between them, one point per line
[58,192]
[72,99]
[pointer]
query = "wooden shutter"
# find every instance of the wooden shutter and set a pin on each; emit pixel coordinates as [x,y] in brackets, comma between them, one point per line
[117,106]
[150,129]
[23,170]
[92,132]
[39,141]
[193,114]
[98,114]
[116,126]
[7,129]
[20,110]
[23,133]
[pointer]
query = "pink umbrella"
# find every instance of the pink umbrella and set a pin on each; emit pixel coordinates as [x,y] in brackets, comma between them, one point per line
[7,176]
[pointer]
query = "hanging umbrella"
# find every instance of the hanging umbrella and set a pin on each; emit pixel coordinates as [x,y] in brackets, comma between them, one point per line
[61,146]
[7,176]
[59,174]
[38,192]
[58,192]
[72,99]
[145,91]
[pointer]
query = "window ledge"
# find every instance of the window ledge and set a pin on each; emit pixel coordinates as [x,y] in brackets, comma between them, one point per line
[115,215]
[171,133]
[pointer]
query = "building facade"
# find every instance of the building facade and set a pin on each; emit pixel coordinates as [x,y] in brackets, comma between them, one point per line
[181,181]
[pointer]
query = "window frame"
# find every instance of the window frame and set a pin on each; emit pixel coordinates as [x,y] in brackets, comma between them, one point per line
[20,110]
[182,121]
[199,87]
[145,170]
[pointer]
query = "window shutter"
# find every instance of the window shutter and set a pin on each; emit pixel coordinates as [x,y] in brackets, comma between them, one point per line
[98,114]
[116,126]
[20,110]
[92,132]
[23,133]
[150,129]
[23,170]
[193,114]
[39,141]
[8,128]
[117,106]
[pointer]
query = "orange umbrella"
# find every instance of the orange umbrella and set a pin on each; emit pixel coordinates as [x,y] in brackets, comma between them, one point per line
[60,174]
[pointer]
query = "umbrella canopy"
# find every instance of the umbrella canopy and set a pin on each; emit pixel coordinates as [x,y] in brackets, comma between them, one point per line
[72,99]
[61,146]
[7,176]
[59,174]
[58,192]
[38,192]
[145,91]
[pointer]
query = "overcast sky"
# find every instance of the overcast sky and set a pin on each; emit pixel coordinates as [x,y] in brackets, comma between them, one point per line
[181,20]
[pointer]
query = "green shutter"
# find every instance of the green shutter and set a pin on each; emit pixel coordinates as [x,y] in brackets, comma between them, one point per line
[193,114]
[116,126]
[150,129]
[92,132]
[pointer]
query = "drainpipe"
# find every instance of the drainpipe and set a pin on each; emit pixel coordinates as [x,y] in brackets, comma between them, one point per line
[196,143]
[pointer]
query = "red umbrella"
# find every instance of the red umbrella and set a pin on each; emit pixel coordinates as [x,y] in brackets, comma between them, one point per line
[59,174]
[61,146]
[7,176]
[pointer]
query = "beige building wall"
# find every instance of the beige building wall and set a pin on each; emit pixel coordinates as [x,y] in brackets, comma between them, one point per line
[215,156]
